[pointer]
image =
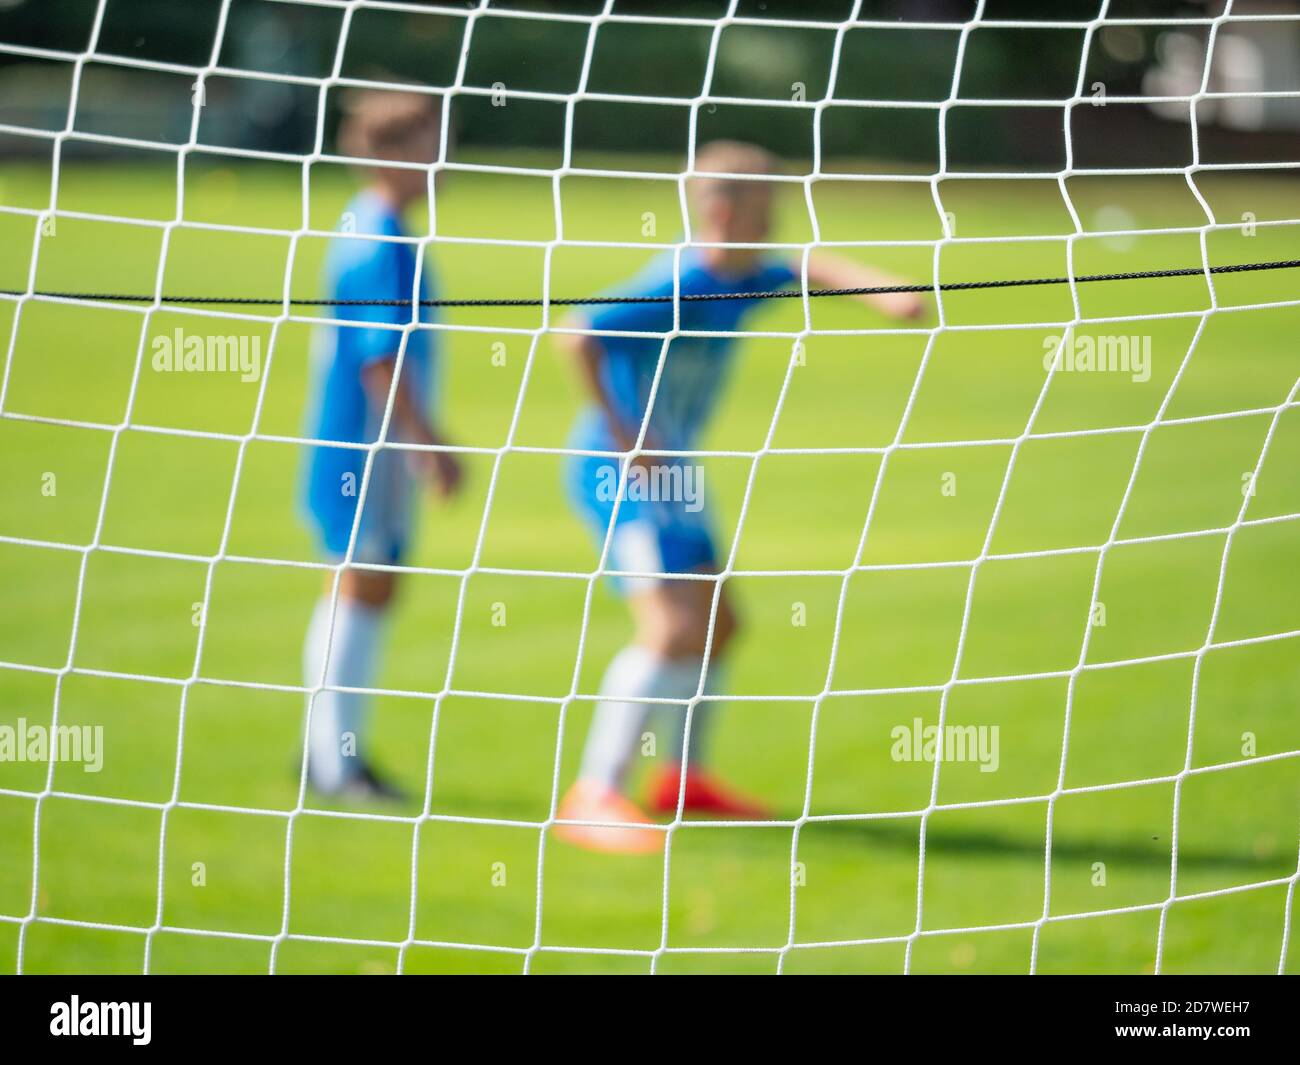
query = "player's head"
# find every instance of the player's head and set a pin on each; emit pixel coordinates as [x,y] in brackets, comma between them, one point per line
[382,124]
[732,210]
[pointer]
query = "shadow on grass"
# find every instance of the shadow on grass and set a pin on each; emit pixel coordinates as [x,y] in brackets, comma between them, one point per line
[1153,851]
[903,834]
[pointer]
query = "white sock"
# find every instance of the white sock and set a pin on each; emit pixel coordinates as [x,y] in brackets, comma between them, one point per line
[686,673]
[617,725]
[334,746]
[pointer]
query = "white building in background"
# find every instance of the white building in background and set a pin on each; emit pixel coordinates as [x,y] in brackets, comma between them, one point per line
[1249,58]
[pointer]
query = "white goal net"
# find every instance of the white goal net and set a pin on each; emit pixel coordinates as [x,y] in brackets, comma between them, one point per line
[1017,674]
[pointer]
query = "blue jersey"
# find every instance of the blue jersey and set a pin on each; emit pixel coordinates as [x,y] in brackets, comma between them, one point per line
[696,367]
[339,409]
[660,535]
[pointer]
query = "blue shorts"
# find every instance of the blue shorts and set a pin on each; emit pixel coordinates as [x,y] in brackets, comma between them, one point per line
[387,515]
[663,525]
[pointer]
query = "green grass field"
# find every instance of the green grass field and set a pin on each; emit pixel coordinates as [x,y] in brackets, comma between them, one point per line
[727,905]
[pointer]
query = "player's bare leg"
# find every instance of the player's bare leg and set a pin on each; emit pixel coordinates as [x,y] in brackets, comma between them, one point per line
[674,620]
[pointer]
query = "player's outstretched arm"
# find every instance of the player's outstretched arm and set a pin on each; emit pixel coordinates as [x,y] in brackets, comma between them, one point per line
[441,468]
[834,271]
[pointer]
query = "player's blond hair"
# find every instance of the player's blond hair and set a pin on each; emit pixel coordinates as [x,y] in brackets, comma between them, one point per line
[380,123]
[728,157]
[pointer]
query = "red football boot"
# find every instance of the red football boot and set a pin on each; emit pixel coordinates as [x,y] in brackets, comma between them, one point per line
[705,794]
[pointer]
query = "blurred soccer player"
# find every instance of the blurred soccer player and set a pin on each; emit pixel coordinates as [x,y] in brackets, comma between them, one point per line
[658,531]
[362,367]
